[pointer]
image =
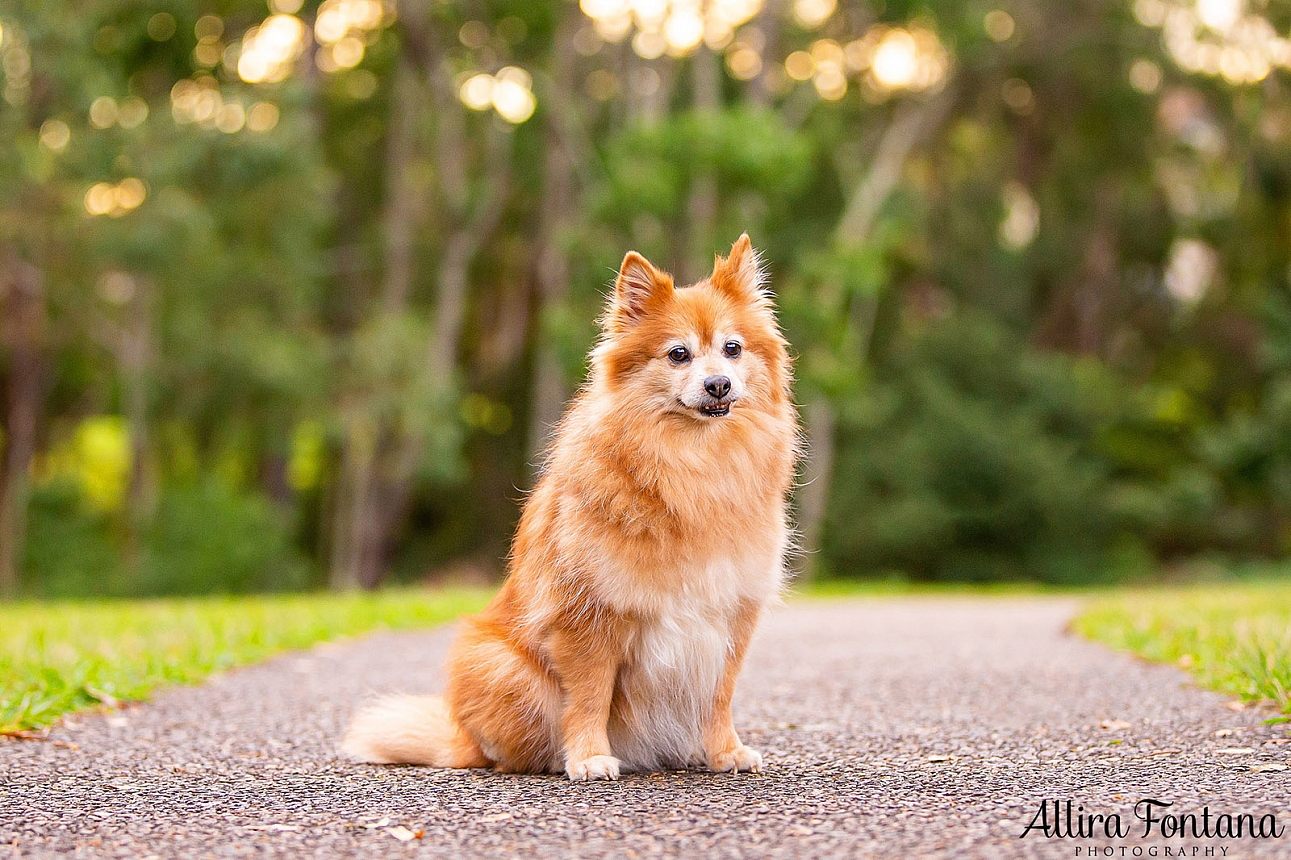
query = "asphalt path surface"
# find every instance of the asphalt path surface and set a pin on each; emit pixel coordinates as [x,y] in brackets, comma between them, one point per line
[896,728]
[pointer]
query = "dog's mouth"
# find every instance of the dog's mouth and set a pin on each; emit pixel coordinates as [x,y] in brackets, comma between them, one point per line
[715,409]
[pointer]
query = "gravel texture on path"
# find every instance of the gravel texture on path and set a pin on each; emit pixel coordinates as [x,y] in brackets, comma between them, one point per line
[930,727]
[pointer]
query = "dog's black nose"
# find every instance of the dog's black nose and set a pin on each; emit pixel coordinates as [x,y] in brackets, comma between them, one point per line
[718,386]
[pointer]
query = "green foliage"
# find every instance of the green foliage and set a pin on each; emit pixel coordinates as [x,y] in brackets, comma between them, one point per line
[209,539]
[69,551]
[973,458]
[60,657]
[1235,638]
[375,300]
[383,382]
[653,167]
[203,538]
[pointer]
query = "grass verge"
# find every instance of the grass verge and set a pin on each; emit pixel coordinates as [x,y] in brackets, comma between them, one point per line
[1234,638]
[896,587]
[60,657]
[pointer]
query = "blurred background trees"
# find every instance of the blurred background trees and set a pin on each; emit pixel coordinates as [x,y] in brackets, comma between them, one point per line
[291,294]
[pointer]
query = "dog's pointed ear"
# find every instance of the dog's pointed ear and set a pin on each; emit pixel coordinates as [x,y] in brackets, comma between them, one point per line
[740,272]
[638,286]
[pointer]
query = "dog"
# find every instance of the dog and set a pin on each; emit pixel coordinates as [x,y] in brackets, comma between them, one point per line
[654,539]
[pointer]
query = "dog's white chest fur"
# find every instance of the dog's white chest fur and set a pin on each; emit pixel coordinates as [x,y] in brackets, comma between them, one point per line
[665,689]
[670,673]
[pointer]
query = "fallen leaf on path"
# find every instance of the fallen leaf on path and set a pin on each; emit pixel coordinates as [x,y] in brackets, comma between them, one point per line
[802,727]
[935,759]
[403,834]
[107,699]
[1224,733]
[21,735]
[1114,725]
[1235,705]
[1268,767]
[1235,751]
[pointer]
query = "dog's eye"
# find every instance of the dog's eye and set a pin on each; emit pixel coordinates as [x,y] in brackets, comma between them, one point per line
[733,349]
[679,355]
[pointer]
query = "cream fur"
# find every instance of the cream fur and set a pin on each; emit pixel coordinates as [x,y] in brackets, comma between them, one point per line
[408,730]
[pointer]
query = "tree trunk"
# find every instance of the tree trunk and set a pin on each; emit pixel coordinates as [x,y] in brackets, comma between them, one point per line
[701,208]
[402,206]
[813,498]
[913,122]
[23,300]
[134,348]
[352,511]
[550,388]
[378,480]
[357,520]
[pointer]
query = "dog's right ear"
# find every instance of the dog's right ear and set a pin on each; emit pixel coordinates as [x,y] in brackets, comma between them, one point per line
[638,287]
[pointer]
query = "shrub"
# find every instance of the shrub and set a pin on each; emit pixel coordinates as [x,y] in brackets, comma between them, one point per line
[204,538]
[972,457]
[207,538]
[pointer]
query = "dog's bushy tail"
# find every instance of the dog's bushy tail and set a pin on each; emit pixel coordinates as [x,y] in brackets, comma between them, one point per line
[411,730]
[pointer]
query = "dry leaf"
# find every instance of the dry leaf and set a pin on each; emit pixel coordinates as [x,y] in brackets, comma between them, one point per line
[1235,705]
[1114,725]
[1268,767]
[1224,733]
[107,699]
[403,834]
[936,759]
[43,735]
[1235,751]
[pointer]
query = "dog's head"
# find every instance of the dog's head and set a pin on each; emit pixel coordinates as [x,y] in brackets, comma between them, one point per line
[707,352]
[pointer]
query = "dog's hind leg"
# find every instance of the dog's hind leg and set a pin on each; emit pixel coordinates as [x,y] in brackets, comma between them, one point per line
[506,699]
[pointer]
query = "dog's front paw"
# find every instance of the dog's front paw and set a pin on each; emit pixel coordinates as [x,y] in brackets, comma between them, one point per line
[735,760]
[594,767]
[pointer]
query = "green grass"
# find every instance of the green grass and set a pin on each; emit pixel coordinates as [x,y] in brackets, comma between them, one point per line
[60,657]
[1234,638]
[898,587]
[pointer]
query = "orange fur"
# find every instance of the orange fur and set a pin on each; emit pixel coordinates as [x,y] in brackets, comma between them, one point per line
[652,542]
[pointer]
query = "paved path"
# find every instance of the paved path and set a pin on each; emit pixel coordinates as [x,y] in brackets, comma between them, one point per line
[891,728]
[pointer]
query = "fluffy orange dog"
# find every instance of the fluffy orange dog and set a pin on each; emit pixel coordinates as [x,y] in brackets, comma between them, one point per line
[643,558]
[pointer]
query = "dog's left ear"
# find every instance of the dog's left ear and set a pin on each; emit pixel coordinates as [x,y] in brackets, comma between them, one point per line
[740,272]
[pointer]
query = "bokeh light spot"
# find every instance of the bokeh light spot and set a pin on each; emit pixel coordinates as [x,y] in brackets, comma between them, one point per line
[999,25]
[55,135]
[161,26]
